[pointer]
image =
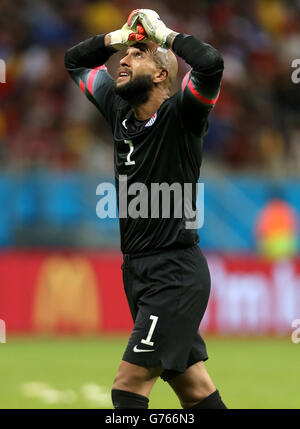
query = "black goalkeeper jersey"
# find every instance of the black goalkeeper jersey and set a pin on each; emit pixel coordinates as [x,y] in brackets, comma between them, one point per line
[164,149]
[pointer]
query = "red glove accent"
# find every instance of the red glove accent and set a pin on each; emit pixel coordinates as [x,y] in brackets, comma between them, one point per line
[131,15]
[141,29]
[139,36]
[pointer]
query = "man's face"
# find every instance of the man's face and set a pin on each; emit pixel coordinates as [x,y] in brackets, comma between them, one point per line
[136,76]
[136,62]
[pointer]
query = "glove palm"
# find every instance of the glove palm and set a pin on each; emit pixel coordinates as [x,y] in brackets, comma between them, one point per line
[127,36]
[153,25]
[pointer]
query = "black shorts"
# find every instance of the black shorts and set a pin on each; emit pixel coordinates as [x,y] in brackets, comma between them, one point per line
[167,294]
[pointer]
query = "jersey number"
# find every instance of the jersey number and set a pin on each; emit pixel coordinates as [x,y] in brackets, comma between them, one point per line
[148,341]
[131,149]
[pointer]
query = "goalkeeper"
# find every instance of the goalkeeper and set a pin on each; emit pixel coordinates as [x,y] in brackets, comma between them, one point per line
[157,140]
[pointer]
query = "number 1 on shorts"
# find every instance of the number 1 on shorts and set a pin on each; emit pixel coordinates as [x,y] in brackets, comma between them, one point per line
[151,330]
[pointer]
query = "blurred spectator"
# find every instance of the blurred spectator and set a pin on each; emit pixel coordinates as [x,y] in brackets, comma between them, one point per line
[45,122]
[277,229]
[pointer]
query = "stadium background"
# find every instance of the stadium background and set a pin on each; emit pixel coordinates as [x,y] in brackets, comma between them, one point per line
[61,294]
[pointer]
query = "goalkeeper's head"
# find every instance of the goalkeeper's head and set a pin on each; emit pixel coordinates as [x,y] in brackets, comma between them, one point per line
[146,67]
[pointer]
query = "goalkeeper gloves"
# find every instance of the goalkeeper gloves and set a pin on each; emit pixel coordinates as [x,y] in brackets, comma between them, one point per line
[155,28]
[126,36]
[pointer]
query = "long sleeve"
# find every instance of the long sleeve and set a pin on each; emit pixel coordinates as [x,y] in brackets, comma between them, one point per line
[85,63]
[201,86]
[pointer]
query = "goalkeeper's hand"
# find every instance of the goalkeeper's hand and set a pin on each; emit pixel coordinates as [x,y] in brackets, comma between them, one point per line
[127,36]
[155,28]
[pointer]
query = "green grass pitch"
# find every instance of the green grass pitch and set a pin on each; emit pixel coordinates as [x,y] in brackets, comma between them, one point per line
[70,372]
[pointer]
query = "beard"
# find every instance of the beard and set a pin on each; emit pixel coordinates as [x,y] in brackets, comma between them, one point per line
[136,91]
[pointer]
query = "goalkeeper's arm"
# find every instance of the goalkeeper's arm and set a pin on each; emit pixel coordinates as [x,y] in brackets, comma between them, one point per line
[86,64]
[201,86]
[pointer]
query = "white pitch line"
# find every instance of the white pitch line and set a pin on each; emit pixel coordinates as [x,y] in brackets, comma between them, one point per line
[47,394]
[90,392]
[99,395]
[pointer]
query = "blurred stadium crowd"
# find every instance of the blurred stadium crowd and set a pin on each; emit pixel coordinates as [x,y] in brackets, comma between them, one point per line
[45,122]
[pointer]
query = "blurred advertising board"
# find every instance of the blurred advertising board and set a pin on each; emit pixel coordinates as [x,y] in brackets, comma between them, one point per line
[82,292]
